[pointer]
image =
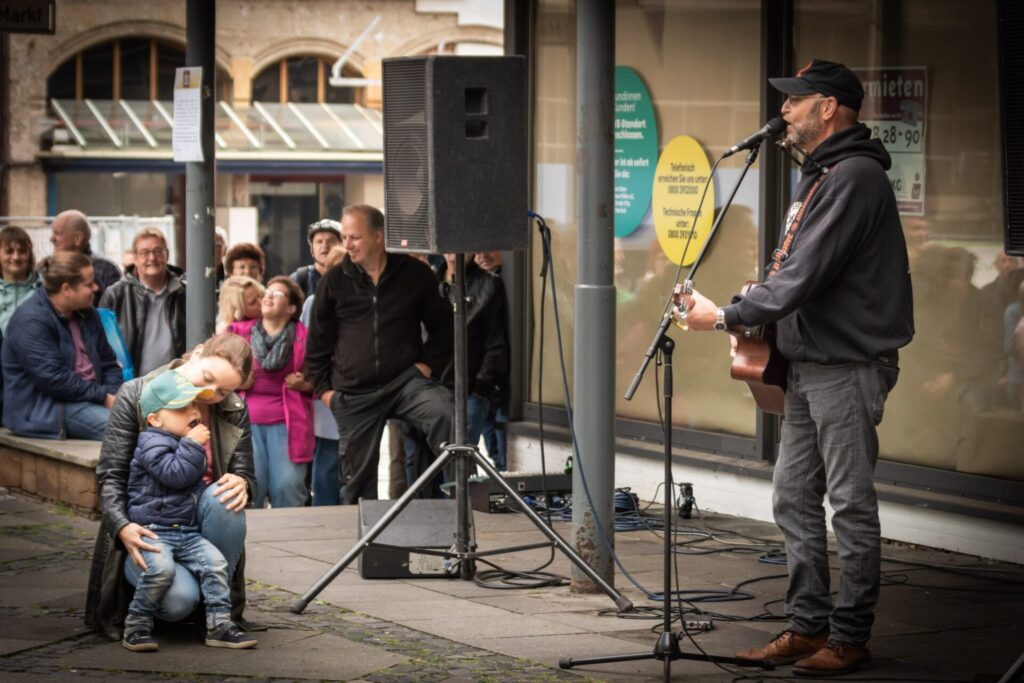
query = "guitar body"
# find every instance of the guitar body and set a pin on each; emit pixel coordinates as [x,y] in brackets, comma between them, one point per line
[758,363]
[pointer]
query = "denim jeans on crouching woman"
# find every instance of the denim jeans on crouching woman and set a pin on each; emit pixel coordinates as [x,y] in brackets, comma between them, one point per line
[225,530]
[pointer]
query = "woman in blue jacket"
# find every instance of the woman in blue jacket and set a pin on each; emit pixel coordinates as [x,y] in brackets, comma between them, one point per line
[60,374]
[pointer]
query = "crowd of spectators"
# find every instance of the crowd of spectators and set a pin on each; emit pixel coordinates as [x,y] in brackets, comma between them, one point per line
[328,371]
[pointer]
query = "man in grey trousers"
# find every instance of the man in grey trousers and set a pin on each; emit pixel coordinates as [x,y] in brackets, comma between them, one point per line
[838,290]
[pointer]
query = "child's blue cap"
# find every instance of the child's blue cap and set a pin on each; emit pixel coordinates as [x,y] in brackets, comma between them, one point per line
[169,390]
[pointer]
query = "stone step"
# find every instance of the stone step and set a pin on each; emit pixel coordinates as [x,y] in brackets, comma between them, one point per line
[53,469]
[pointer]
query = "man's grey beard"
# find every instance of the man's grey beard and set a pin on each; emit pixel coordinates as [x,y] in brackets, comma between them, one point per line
[809,130]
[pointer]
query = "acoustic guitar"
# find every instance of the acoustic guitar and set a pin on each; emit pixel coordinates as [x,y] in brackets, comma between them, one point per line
[757,361]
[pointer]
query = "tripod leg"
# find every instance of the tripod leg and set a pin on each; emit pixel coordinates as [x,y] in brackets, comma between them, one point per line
[622,602]
[299,604]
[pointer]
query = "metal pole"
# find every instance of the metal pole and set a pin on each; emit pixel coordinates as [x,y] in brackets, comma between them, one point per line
[594,340]
[463,536]
[5,85]
[200,29]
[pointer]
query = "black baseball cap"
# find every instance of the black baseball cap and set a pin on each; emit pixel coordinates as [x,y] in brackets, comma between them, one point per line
[323,225]
[824,78]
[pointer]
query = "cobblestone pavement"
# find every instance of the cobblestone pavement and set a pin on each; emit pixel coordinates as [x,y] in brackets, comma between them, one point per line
[68,540]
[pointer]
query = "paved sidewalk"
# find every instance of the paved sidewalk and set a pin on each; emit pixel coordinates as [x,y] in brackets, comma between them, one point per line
[932,625]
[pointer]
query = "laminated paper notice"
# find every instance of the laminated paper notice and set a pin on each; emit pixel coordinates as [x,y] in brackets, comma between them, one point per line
[896,110]
[185,140]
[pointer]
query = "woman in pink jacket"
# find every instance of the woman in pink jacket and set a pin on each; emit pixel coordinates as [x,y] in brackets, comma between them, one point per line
[279,398]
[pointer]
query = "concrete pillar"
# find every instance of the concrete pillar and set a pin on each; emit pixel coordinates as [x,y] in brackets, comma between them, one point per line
[200,29]
[594,340]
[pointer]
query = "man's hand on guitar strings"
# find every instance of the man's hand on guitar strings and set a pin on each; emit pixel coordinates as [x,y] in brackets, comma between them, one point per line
[700,311]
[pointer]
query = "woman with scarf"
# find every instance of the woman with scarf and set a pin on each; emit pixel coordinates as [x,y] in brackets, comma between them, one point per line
[279,398]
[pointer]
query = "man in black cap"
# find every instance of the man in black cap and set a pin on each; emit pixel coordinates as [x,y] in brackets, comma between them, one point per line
[838,290]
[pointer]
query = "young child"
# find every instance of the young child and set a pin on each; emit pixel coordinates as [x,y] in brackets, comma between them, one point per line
[164,488]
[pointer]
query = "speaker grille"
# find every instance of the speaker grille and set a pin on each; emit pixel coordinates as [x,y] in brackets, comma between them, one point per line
[455,154]
[406,155]
[1011,92]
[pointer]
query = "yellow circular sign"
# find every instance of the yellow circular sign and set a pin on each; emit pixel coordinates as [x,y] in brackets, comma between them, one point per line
[678,183]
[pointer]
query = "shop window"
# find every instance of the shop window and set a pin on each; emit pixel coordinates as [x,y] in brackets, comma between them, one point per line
[698,62]
[168,58]
[303,79]
[98,72]
[135,74]
[127,69]
[61,85]
[956,406]
[266,87]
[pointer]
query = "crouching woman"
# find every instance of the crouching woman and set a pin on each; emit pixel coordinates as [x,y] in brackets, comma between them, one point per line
[220,364]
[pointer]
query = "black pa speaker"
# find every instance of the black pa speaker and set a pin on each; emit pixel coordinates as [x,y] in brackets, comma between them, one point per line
[455,154]
[1011,95]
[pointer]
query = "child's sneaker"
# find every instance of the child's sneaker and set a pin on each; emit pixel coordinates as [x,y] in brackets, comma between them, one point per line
[140,641]
[229,635]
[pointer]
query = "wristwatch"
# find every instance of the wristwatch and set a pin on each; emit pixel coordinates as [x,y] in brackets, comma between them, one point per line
[720,320]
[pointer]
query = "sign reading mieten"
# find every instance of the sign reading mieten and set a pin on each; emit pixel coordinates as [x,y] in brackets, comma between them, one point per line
[896,110]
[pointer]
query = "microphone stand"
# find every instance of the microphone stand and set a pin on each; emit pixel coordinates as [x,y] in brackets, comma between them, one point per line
[667,647]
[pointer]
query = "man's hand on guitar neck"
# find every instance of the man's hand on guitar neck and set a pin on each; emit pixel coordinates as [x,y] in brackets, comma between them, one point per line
[701,311]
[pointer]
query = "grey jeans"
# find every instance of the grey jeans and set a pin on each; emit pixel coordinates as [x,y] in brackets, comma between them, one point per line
[829,443]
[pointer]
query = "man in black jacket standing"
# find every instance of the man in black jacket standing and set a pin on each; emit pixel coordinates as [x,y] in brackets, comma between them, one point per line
[366,357]
[150,304]
[839,292]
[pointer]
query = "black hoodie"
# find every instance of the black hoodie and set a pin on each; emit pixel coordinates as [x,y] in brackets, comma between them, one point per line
[843,294]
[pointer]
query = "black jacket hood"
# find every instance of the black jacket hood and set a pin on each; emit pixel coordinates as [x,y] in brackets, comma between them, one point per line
[855,141]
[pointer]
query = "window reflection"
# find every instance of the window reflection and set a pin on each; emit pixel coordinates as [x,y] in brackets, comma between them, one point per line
[954,406]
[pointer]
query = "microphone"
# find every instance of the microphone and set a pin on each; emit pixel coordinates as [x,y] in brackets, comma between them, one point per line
[770,129]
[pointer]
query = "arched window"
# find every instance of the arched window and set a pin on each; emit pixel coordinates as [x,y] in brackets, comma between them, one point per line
[124,69]
[302,79]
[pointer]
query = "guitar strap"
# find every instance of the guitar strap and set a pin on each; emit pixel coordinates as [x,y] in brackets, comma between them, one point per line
[782,253]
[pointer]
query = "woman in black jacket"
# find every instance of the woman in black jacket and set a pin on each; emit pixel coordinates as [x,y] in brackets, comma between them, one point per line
[222,363]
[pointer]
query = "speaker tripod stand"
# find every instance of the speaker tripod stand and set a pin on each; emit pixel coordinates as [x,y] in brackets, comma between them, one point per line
[464,552]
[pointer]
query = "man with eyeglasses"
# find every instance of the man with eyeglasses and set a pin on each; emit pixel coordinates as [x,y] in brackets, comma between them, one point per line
[150,304]
[70,231]
[838,290]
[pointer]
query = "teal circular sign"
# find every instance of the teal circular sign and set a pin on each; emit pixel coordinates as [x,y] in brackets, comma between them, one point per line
[636,150]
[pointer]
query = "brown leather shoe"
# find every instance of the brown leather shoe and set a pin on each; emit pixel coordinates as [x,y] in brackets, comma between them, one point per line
[835,659]
[786,648]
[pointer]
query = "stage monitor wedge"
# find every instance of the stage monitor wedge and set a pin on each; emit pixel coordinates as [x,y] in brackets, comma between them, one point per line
[455,154]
